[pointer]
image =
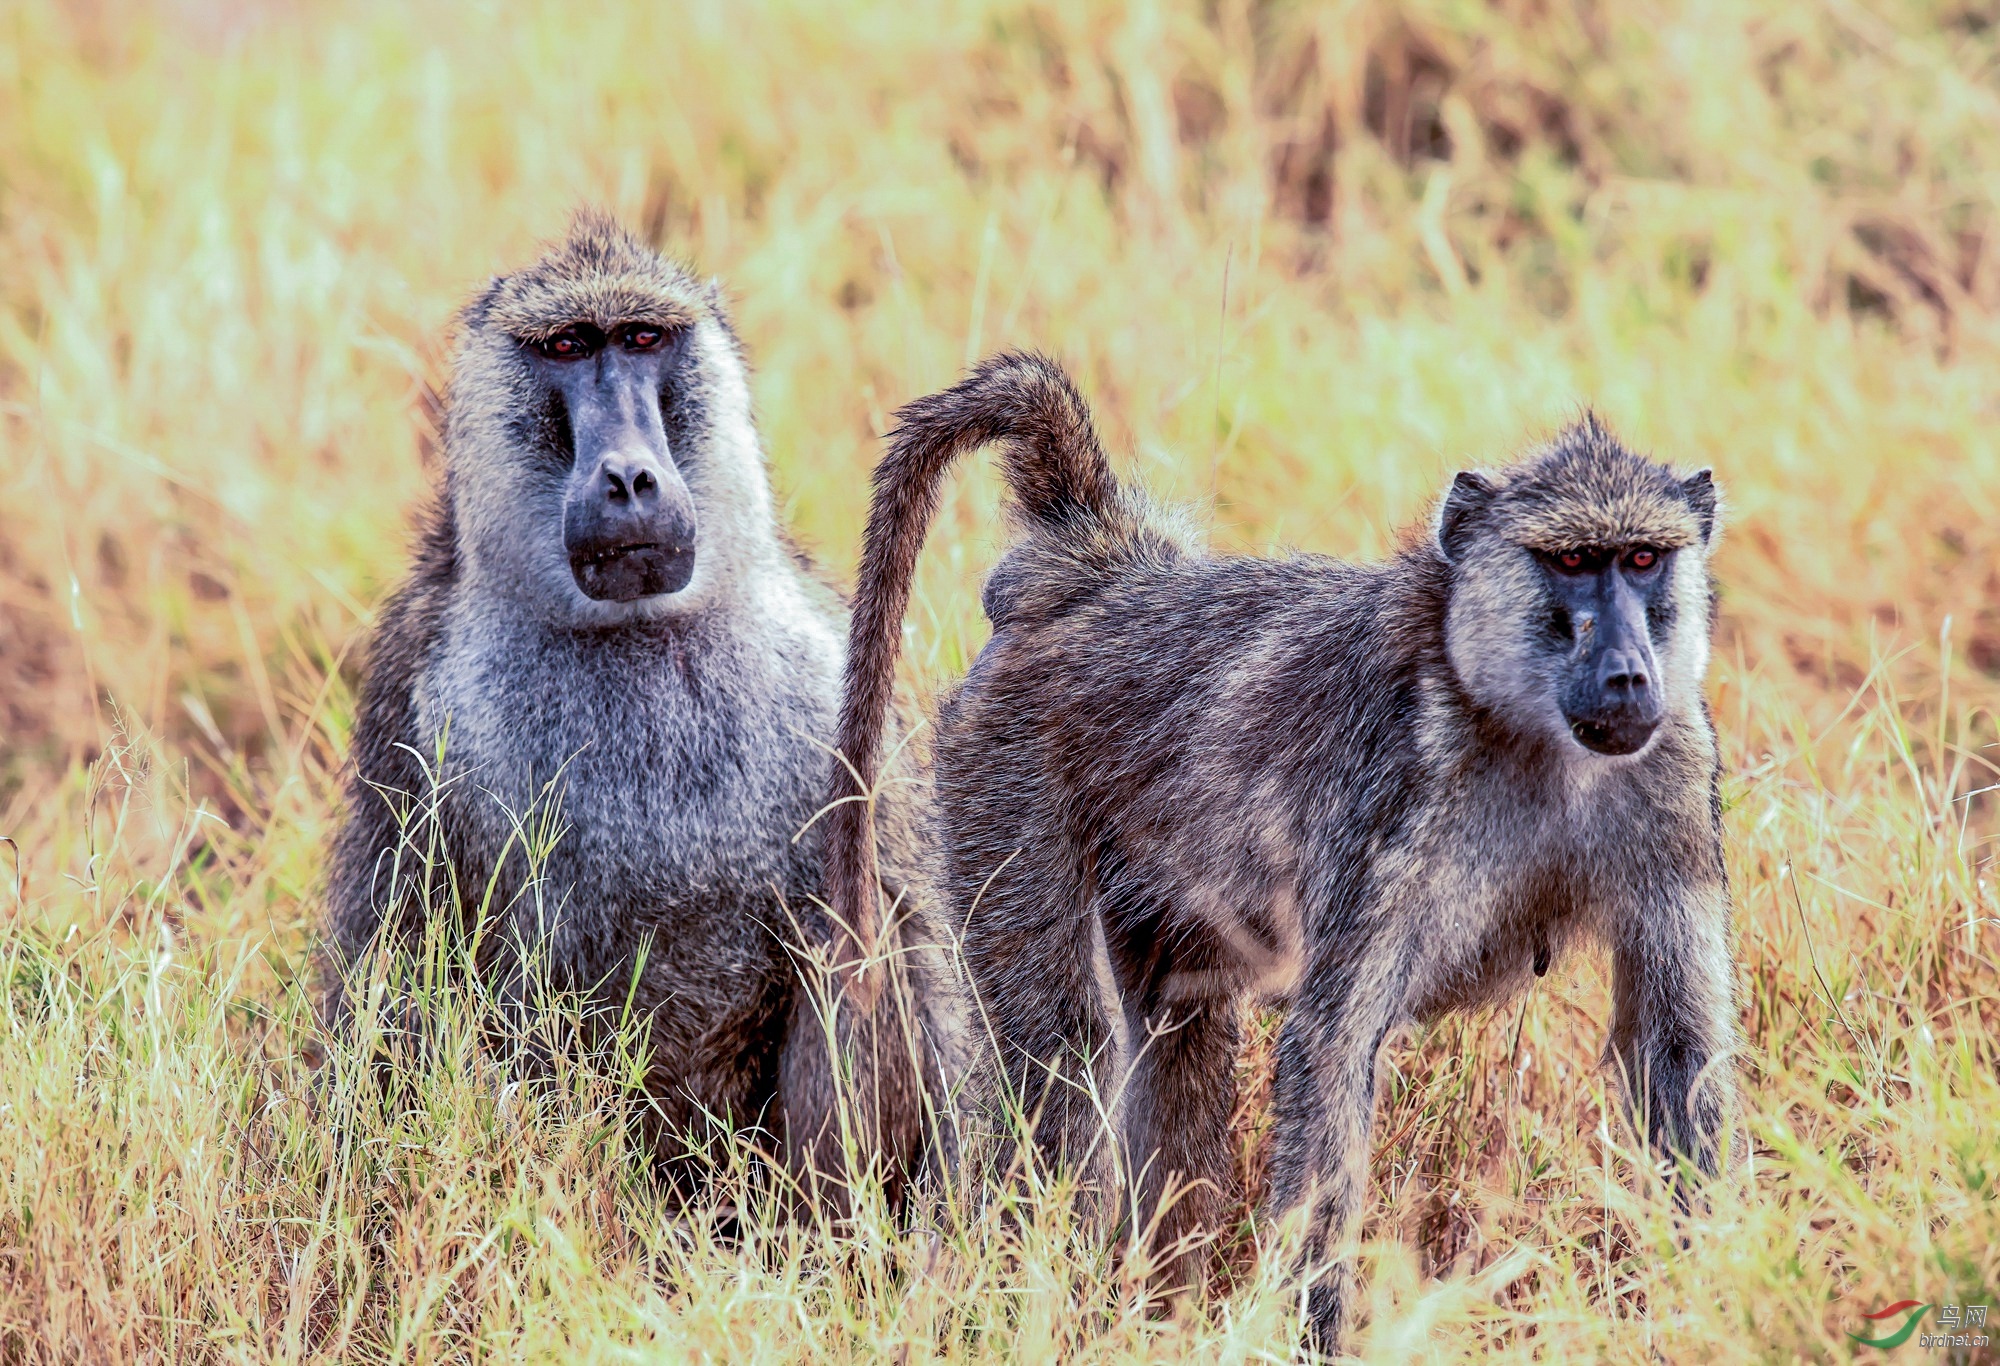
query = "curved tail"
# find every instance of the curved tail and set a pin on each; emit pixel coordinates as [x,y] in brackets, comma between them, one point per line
[1056,472]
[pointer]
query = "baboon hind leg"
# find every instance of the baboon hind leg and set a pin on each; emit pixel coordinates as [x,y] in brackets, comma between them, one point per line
[1043,984]
[1177,1110]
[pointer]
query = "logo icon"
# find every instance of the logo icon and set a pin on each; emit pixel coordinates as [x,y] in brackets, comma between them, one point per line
[1914,1308]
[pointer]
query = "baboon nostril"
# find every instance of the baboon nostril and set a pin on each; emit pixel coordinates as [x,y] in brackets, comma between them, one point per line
[644,483]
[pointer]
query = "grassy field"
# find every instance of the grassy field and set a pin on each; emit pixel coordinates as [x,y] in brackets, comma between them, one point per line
[1307,261]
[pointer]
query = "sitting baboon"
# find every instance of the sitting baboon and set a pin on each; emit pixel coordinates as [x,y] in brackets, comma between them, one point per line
[1375,792]
[604,613]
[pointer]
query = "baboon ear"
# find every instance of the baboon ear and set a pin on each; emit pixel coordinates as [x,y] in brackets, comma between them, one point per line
[1470,496]
[1700,490]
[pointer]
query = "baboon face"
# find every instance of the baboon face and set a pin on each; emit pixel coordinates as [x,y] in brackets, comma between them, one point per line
[1579,607]
[628,522]
[1603,601]
[601,458]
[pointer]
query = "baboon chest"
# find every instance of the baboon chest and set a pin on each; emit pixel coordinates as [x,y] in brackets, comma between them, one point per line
[626,791]
[1504,886]
[1489,932]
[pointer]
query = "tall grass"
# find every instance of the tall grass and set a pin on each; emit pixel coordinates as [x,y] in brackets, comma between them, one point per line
[1308,261]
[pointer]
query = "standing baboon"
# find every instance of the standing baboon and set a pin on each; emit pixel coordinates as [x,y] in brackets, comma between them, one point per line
[1378,792]
[604,613]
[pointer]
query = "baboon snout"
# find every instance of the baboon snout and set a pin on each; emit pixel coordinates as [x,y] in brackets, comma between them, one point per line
[628,526]
[1614,703]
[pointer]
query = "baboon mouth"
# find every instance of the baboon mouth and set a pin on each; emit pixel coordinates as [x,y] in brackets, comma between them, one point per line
[1599,737]
[626,573]
[610,553]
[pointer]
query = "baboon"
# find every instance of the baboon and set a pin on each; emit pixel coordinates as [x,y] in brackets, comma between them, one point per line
[1377,793]
[603,611]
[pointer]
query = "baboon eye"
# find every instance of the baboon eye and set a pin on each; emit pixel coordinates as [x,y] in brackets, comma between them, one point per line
[644,338]
[1643,559]
[564,346]
[1583,559]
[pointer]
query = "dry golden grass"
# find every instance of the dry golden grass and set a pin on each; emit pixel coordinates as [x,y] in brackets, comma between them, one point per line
[1307,260]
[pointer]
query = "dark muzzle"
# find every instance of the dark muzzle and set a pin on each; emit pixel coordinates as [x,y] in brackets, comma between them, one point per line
[1613,703]
[629,531]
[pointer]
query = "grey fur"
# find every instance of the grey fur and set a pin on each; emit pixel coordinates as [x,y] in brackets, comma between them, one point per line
[1347,787]
[685,732]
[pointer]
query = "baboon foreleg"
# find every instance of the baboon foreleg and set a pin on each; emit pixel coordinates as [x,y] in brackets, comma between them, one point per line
[1325,1101]
[1176,1112]
[1673,1024]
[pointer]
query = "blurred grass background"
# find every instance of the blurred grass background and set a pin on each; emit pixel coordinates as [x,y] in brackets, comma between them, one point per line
[1307,260]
